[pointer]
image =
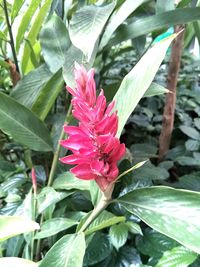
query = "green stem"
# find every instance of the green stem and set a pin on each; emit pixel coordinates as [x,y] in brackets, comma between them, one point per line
[34,217]
[103,203]
[57,152]
[11,35]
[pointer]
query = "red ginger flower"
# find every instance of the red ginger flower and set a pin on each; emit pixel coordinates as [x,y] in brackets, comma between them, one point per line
[95,148]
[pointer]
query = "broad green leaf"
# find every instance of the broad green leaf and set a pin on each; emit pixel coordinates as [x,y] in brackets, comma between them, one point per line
[138,80]
[68,181]
[33,33]
[16,8]
[191,132]
[154,244]
[48,95]
[38,90]
[151,23]
[34,4]
[86,26]
[98,249]
[55,42]
[17,262]
[175,213]
[54,226]
[189,181]
[15,225]
[118,17]
[68,252]
[48,196]
[14,246]
[23,125]
[178,256]
[104,220]
[118,235]
[155,89]
[29,88]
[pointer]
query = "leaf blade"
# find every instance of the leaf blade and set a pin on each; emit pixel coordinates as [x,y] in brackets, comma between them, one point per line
[15,225]
[23,125]
[164,209]
[135,84]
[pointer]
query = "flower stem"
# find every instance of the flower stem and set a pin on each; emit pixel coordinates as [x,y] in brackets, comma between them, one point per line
[11,35]
[57,152]
[103,203]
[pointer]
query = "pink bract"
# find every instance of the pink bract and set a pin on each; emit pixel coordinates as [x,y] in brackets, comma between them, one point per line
[95,148]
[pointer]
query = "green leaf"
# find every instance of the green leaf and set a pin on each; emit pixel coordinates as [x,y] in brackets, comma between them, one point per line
[95,192]
[118,17]
[16,8]
[33,33]
[178,256]
[3,36]
[86,26]
[162,7]
[104,220]
[23,125]
[191,132]
[175,213]
[47,95]
[73,55]
[68,252]
[4,64]
[17,262]
[134,228]
[138,80]
[34,4]
[188,161]
[151,23]
[154,244]
[38,90]
[55,42]
[98,249]
[29,88]
[54,226]
[68,181]
[118,235]
[48,196]
[197,123]
[15,225]
[192,145]
[155,89]
[189,181]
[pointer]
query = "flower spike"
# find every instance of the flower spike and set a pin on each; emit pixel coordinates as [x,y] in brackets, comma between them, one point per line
[95,148]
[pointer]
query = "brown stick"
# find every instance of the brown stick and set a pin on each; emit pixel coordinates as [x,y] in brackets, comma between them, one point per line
[14,74]
[170,103]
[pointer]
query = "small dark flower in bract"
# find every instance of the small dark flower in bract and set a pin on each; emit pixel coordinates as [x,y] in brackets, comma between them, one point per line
[94,145]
